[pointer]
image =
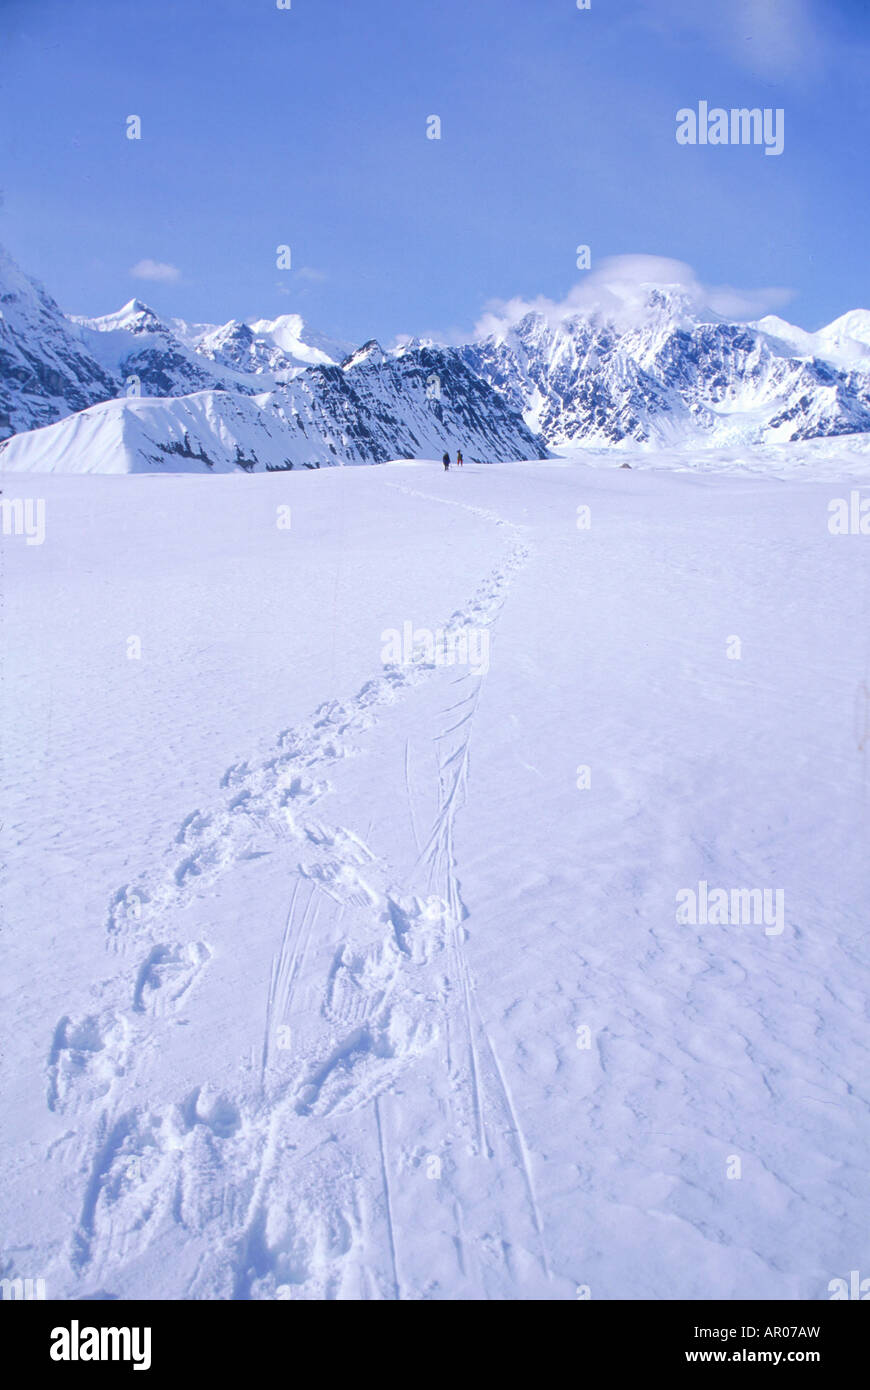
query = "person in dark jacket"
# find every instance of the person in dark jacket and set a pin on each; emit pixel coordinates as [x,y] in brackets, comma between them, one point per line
[446,462]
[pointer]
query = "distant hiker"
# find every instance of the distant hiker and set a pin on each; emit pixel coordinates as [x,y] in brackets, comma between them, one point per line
[459,457]
[446,462]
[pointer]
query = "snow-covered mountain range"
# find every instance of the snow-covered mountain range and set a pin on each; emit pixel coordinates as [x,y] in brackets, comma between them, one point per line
[371,409]
[174,358]
[131,392]
[670,375]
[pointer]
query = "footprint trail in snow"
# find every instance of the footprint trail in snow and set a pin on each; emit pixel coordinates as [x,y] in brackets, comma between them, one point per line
[278,1194]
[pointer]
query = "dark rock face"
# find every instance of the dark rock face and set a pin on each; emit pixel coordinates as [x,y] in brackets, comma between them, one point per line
[45,371]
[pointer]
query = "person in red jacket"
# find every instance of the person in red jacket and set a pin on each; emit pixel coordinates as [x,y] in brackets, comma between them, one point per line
[459,457]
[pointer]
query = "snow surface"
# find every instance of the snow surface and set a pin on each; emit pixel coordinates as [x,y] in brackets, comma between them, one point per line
[300,947]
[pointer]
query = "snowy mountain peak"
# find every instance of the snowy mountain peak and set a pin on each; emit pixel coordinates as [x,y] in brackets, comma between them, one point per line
[233,332]
[286,330]
[292,336]
[413,345]
[847,339]
[371,352]
[845,343]
[133,317]
[794,339]
[854,324]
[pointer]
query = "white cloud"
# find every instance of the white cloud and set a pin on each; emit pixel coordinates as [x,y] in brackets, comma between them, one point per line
[619,289]
[155,270]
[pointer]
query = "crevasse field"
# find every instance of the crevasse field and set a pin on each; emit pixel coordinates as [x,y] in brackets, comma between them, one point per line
[336,974]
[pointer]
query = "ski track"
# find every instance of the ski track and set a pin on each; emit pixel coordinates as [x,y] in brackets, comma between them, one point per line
[388,1204]
[218,1165]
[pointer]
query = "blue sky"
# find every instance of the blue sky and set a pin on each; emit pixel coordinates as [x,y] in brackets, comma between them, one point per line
[307,127]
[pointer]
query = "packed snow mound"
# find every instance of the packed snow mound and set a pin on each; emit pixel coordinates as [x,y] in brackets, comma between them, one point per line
[208,432]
